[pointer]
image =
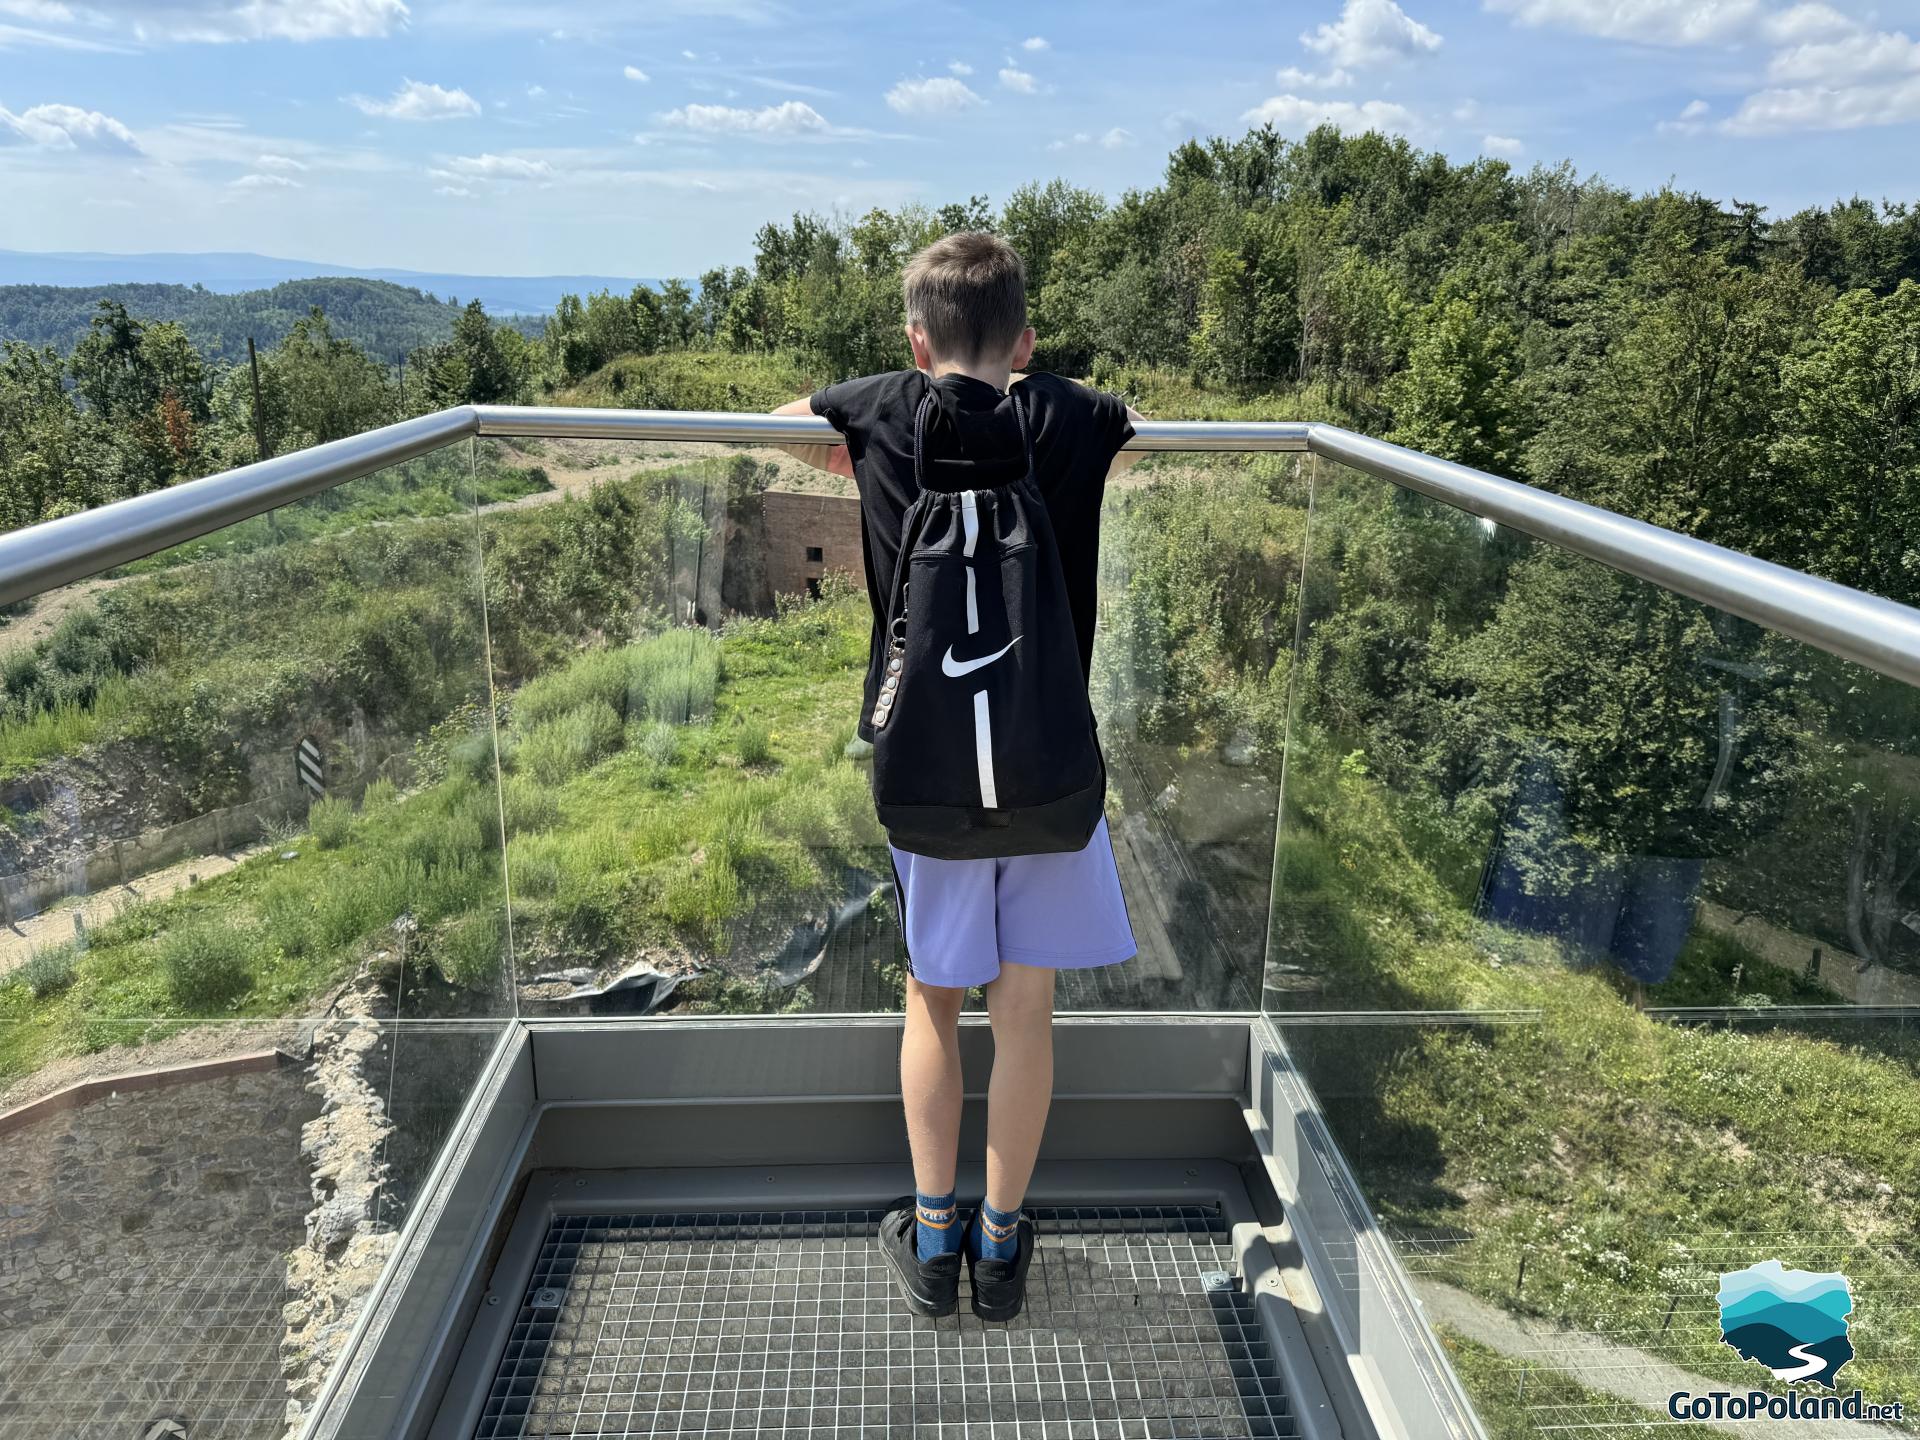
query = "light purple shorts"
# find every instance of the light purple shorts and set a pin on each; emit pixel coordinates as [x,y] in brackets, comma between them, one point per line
[963,918]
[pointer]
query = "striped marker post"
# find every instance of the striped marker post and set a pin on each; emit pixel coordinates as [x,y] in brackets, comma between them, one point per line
[311,768]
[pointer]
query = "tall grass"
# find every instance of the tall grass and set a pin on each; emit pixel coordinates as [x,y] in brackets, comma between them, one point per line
[66,728]
[46,972]
[674,677]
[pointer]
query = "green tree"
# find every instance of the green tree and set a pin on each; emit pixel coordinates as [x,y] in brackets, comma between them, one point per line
[472,367]
[1848,451]
[1458,396]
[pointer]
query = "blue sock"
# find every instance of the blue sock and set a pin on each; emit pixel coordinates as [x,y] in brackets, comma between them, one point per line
[999,1234]
[937,1224]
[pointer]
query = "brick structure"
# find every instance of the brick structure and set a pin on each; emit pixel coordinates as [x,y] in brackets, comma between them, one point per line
[807,536]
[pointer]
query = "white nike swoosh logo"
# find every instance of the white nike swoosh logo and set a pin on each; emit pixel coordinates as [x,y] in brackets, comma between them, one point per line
[956,668]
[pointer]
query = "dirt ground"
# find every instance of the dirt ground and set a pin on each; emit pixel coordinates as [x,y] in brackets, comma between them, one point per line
[49,610]
[54,926]
[211,1040]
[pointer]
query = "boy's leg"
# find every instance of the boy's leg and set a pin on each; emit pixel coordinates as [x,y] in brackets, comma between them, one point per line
[1020,1005]
[930,1083]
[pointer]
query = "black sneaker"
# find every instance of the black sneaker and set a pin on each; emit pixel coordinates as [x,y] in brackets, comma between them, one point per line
[1000,1286]
[931,1287]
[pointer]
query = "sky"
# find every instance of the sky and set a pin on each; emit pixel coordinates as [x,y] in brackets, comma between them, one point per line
[654,138]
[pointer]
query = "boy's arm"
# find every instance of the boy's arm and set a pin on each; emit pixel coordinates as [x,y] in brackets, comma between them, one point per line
[1124,460]
[1127,459]
[834,459]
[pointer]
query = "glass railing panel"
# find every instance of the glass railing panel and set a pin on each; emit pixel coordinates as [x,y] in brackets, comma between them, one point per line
[1636,873]
[1200,561]
[679,635]
[251,857]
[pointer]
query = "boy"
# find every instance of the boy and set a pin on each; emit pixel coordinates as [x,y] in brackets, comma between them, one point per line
[1006,924]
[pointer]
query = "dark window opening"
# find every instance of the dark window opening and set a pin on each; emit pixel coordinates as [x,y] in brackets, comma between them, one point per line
[815,552]
[813,589]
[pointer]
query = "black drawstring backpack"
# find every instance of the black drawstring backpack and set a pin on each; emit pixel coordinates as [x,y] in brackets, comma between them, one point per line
[984,739]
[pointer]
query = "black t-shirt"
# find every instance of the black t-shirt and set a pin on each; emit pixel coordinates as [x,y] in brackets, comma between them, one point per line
[973,443]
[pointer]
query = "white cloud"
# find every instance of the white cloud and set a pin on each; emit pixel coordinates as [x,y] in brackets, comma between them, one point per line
[418,100]
[1079,137]
[1695,109]
[279,162]
[1806,22]
[1830,73]
[534,92]
[264,182]
[67,127]
[688,55]
[959,67]
[636,74]
[498,167]
[14,37]
[1655,22]
[1847,60]
[1501,145]
[1369,32]
[793,118]
[50,12]
[1018,80]
[234,20]
[941,95]
[1116,139]
[1294,77]
[1035,42]
[459,191]
[1850,107]
[1296,112]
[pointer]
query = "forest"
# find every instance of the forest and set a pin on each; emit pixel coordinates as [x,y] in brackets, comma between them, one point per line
[384,319]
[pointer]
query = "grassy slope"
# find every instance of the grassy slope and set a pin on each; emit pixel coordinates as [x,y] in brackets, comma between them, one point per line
[1609,1148]
[694,380]
[641,848]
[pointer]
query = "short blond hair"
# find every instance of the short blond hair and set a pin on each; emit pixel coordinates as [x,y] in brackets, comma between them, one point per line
[968,291]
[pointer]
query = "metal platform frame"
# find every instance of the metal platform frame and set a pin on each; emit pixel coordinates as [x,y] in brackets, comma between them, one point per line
[578,1117]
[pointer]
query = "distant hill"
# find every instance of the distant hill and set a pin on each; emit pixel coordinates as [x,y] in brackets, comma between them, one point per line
[231,272]
[384,319]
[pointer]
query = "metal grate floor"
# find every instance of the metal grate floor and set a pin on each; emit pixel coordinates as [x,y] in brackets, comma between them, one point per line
[774,1323]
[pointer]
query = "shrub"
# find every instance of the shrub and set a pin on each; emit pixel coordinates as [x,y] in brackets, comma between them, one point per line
[754,743]
[660,743]
[468,952]
[530,806]
[559,748]
[462,885]
[206,965]
[286,911]
[533,868]
[48,971]
[595,675]
[330,821]
[701,897]
[472,755]
[379,797]
[360,900]
[675,676]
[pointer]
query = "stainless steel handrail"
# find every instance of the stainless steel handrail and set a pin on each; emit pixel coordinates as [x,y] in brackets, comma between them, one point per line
[1873,631]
